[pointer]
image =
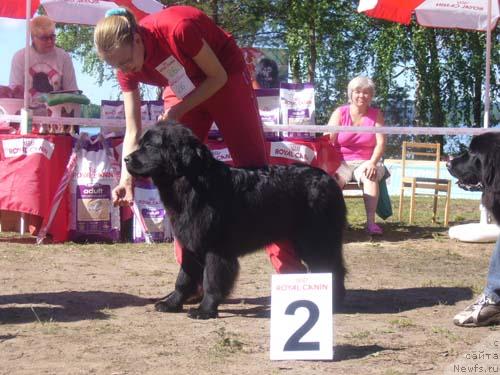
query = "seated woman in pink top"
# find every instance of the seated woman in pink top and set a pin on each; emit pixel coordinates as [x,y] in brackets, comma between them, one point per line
[361,152]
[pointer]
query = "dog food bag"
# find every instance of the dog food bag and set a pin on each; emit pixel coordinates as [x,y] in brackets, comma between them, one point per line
[297,105]
[115,110]
[147,199]
[92,215]
[268,101]
[156,109]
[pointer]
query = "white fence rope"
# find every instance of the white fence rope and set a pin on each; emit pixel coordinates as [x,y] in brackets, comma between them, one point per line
[267,128]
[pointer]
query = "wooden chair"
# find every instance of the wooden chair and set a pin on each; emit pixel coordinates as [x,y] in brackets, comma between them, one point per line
[427,154]
[352,190]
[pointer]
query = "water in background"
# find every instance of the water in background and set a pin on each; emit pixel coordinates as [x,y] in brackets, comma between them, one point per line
[394,182]
[90,130]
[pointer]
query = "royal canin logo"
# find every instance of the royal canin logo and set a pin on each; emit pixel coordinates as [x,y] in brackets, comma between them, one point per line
[13,148]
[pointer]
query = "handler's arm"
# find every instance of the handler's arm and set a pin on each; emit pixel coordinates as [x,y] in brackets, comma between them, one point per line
[334,121]
[379,149]
[132,104]
[123,193]
[216,77]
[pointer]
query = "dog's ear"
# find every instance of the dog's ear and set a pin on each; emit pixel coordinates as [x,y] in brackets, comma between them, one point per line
[491,162]
[195,157]
[184,154]
[189,157]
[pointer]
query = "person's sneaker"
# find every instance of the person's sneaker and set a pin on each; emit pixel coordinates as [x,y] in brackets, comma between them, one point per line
[483,312]
[374,230]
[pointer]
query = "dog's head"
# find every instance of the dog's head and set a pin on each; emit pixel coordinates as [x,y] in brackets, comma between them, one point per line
[476,168]
[168,151]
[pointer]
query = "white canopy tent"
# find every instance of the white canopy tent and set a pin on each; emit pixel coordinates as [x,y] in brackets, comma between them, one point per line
[480,15]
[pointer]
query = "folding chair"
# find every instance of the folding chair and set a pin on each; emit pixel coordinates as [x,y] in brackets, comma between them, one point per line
[429,156]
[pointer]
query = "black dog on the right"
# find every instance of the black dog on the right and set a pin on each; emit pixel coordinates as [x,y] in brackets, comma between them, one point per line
[219,213]
[479,169]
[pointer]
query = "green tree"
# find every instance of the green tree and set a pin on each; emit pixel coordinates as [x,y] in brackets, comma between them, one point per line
[329,43]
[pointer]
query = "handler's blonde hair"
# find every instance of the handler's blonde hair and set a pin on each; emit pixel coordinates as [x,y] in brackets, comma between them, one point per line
[42,25]
[360,82]
[115,30]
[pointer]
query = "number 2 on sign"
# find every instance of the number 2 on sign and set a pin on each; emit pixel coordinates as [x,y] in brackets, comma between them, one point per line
[293,343]
[301,316]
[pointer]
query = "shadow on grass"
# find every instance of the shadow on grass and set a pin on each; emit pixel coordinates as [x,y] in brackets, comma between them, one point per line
[259,307]
[347,351]
[7,337]
[30,240]
[364,301]
[63,306]
[396,232]
[391,301]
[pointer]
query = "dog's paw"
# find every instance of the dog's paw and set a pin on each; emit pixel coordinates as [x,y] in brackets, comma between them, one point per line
[202,314]
[168,305]
[338,299]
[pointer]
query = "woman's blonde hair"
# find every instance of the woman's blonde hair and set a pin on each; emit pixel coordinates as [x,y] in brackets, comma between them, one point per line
[41,24]
[115,30]
[360,82]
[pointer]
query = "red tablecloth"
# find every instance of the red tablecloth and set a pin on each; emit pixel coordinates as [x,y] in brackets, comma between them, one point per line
[317,152]
[31,167]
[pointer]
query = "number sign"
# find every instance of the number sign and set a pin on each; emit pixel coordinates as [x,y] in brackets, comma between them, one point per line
[301,316]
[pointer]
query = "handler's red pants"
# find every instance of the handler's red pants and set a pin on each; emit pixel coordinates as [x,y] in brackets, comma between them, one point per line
[234,109]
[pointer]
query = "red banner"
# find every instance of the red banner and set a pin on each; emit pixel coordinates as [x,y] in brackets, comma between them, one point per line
[317,152]
[17,8]
[31,168]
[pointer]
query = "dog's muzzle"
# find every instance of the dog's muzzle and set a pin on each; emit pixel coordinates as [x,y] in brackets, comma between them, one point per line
[476,187]
[462,185]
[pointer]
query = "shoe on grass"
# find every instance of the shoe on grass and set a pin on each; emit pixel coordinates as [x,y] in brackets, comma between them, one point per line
[374,230]
[483,312]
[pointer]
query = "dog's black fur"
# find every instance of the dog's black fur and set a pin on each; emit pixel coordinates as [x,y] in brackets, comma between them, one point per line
[478,168]
[219,213]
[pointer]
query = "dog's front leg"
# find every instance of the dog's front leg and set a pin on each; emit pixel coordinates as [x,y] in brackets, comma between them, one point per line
[219,277]
[187,283]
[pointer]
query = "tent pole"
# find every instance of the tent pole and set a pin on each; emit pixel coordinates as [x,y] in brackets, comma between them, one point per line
[486,121]
[26,115]
[27,55]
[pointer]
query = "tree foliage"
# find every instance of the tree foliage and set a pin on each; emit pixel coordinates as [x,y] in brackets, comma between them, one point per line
[424,77]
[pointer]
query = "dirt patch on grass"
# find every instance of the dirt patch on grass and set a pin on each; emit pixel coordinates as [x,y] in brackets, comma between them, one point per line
[86,309]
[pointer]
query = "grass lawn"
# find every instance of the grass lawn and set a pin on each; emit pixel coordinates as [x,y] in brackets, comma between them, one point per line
[461,211]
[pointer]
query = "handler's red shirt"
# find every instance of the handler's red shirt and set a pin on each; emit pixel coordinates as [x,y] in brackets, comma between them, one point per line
[178,31]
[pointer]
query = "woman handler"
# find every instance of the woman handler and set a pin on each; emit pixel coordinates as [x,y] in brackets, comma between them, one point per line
[205,79]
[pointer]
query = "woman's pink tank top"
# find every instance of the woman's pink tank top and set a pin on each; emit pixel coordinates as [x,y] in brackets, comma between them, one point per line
[356,146]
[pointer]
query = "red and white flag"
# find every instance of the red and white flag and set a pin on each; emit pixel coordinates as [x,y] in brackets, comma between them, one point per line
[450,14]
[82,12]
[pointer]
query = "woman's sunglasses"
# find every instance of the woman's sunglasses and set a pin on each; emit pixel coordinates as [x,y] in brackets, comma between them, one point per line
[46,38]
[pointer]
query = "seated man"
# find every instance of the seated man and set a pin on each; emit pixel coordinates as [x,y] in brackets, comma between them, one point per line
[50,69]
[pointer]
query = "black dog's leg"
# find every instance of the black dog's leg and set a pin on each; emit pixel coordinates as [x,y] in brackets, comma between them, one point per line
[326,257]
[218,280]
[338,272]
[189,277]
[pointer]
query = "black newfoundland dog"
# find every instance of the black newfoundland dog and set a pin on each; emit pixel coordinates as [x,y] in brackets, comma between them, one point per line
[476,169]
[219,213]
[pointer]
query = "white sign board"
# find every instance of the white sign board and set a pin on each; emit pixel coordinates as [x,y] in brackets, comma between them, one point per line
[301,316]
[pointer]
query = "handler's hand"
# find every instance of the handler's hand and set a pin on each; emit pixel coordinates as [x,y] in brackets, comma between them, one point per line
[172,113]
[371,171]
[123,194]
